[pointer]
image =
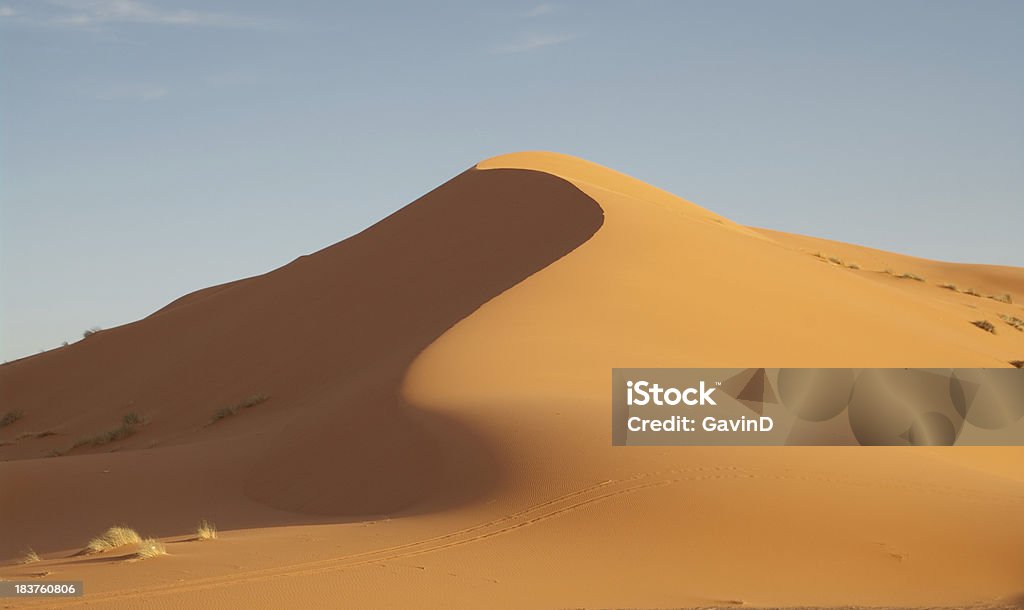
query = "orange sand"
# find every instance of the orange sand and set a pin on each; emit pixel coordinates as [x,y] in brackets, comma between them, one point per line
[437,432]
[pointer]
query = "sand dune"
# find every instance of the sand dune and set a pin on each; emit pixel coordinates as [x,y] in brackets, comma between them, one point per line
[436,427]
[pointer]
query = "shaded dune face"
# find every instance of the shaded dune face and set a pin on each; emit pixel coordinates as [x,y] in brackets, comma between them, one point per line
[454,249]
[328,337]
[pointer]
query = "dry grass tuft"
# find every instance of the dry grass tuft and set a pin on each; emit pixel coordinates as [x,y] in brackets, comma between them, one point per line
[149,548]
[134,419]
[206,531]
[1002,298]
[10,417]
[115,537]
[985,325]
[252,401]
[1018,363]
[119,433]
[1013,321]
[221,414]
[30,556]
[42,434]
[911,276]
[249,402]
[972,292]
[949,286]
[853,266]
[129,426]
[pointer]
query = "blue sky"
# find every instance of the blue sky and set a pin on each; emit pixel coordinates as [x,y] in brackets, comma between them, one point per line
[149,148]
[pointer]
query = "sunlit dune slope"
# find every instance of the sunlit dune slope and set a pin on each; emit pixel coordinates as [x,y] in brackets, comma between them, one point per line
[666,283]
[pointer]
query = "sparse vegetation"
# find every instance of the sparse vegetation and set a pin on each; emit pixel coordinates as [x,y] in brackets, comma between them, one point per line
[115,537]
[1017,363]
[949,286]
[253,400]
[985,325]
[972,292]
[150,547]
[129,426]
[835,259]
[911,276]
[10,417]
[134,419]
[42,434]
[1002,298]
[90,332]
[249,402]
[30,556]
[206,531]
[1013,321]
[55,453]
[121,432]
[853,266]
[222,413]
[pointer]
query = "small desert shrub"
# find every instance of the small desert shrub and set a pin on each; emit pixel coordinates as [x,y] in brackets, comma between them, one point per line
[150,547]
[1013,321]
[113,538]
[835,259]
[121,432]
[10,417]
[30,556]
[1018,363]
[853,266]
[972,292]
[985,325]
[220,414]
[1002,298]
[949,286]
[90,332]
[42,434]
[134,419]
[251,401]
[128,427]
[206,531]
[911,276]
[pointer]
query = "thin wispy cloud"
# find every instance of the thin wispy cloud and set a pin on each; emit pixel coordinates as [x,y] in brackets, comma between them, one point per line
[141,92]
[92,14]
[6,11]
[539,11]
[534,42]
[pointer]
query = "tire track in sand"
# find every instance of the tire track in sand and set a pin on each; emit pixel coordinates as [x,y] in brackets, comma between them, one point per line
[535,513]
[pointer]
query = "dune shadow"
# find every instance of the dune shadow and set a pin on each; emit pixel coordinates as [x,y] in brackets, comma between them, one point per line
[329,337]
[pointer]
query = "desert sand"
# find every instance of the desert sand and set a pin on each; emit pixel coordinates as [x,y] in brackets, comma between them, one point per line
[435,431]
